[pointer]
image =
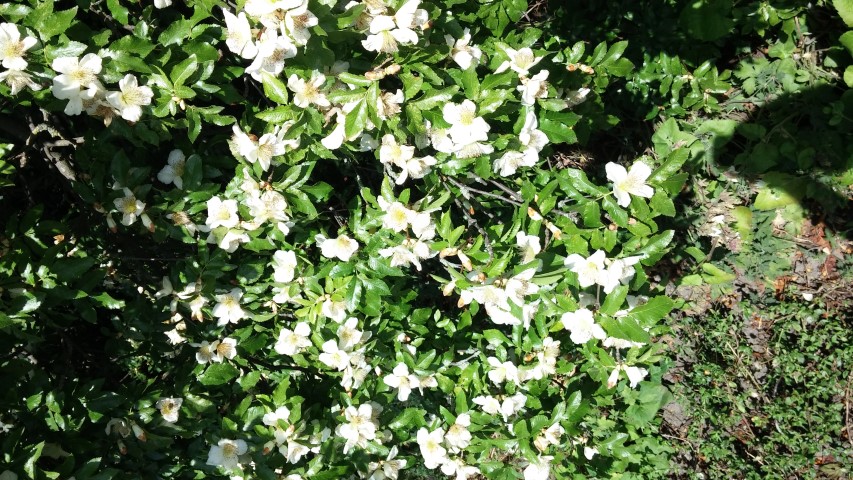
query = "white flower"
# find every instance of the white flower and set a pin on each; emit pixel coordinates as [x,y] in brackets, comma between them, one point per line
[533,88]
[269,205]
[225,349]
[458,437]
[230,241]
[589,452]
[333,356]
[386,469]
[576,97]
[78,81]
[520,61]
[589,270]
[519,286]
[533,139]
[529,245]
[582,326]
[465,126]
[393,153]
[271,419]
[423,226]
[360,427]
[618,271]
[501,372]
[221,213]
[401,256]
[226,454]
[174,169]
[263,150]
[162,3]
[431,450]
[397,216]
[307,93]
[205,352]
[635,375]
[291,342]
[284,266]
[342,247]
[18,80]
[402,380]
[333,310]
[539,470]
[508,407]
[129,207]
[240,39]
[169,408]
[349,336]
[273,50]
[130,99]
[457,467]
[297,21]
[549,436]
[462,52]
[386,31]
[509,162]
[12,48]
[415,168]
[627,183]
[228,309]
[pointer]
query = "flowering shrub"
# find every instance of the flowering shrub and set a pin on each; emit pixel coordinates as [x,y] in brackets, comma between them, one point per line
[325,240]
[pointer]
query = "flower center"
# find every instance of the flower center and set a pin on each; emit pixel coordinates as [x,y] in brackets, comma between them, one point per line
[524,59]
[13,49]
[82,76]
[132,96]
[229,450]
[128,205]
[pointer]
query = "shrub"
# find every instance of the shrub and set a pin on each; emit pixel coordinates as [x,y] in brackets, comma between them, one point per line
[303,239]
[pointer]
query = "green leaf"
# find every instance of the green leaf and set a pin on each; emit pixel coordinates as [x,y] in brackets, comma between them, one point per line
[651,399]
[118,11]
[109,302]
[194,124]
[176,32]
[357,80]
[662,204]
[34,454]
[708,19]
[655,247]
[591,215]
[614,300]
[49,23]
[625,328]
[670,166]
[274,88]
[193,173]
[845,10]
[618,214]
[435,98]
[218,374]
[714,275]
[356,120]
[182,71]
[652,311]
[780,190]
[409,419]
[557,126]
[614,53]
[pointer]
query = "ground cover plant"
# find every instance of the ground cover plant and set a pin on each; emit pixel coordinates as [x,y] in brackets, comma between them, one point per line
[416,239]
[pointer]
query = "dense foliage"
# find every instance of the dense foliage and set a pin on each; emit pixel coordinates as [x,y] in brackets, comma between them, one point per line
[329,239]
